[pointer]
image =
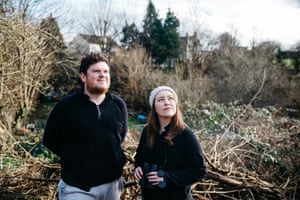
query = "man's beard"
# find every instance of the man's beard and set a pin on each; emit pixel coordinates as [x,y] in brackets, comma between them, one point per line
[97,90]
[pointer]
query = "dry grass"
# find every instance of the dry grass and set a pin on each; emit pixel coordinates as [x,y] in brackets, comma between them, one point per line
[254,157]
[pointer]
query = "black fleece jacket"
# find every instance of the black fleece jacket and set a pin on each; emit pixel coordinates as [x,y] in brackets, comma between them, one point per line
[88,139]
[183,164]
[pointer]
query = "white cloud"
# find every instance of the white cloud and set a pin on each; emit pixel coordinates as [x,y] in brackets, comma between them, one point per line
[255,19]
[260,20]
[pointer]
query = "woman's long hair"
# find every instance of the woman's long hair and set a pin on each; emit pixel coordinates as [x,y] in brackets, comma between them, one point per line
[153,126]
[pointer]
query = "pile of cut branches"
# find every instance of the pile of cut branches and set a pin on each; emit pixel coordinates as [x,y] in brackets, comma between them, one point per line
[251,153]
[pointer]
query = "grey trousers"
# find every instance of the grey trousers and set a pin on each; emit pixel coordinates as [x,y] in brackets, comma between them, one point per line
[108,191]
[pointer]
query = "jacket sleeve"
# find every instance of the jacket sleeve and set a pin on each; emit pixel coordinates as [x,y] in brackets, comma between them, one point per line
[196,167]
[125,125]
[52,134]
[122,108]
[138,161]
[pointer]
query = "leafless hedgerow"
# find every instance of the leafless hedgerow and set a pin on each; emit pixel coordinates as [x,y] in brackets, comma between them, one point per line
[24,70]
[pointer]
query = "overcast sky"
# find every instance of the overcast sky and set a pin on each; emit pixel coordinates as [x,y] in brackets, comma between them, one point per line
[247,20]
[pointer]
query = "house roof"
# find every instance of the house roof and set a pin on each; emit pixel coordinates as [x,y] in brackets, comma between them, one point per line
[94,39]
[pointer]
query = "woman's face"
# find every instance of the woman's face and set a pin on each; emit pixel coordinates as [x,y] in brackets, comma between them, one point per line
[165,104]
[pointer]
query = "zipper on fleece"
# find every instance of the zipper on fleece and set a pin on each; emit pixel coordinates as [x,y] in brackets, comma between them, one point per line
[99,111]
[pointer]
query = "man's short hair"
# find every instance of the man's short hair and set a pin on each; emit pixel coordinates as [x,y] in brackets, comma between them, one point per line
[90,59]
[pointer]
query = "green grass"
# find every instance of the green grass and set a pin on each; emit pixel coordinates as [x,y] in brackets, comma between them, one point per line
[9,162]
[288,63]
[133,122]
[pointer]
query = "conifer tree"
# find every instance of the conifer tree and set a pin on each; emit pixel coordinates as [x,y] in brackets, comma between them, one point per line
[63,74]
[171,36]
[131,35]
[150,21]
[160,40]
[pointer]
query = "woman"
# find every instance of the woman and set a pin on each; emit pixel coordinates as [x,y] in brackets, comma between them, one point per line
[169,157]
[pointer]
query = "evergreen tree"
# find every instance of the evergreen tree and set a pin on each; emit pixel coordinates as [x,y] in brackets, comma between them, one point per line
[171,35]
[158,48]
[55,42]
[153,35]
[149,27]
[160,40]
[131,36]
[63,75]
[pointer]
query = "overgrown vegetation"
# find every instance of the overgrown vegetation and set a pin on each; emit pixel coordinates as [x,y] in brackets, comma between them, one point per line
[159,37]
[24,70]
[29,68]
[251,153]
[242,103]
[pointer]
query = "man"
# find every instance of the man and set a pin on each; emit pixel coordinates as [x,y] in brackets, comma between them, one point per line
[86,131]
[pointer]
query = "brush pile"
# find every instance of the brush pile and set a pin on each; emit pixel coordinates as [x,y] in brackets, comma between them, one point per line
[251,153]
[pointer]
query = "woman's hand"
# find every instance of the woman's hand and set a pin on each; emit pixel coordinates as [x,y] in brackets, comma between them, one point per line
[153,178]
[138,174]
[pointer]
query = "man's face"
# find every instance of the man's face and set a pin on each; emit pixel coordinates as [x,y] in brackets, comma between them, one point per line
[97,78]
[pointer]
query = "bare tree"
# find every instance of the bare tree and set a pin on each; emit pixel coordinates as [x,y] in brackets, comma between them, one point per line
[25,9]
[198,23]
[103,20]
[24,69]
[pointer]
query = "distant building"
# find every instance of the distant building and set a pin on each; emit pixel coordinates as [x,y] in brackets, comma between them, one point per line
[83,44]
[188,46]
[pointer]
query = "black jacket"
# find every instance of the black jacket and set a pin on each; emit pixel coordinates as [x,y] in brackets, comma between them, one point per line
[183,164]
[88,139]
